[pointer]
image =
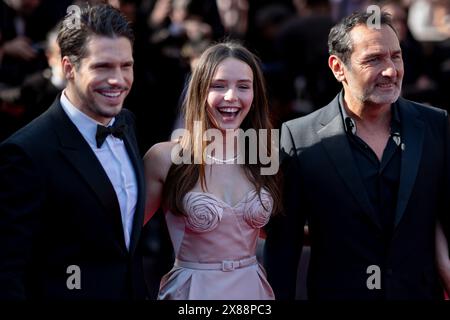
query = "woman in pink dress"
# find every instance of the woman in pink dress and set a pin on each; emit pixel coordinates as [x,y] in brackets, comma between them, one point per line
[217,194]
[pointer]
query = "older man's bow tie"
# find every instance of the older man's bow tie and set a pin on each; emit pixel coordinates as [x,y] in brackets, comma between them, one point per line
[117,130]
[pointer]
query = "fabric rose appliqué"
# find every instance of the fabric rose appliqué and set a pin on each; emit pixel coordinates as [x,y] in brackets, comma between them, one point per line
[255,214]
[203,215]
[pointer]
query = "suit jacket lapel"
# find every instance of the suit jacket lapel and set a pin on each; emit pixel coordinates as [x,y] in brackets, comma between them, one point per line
[333,138]
[77,151]
[136,160]
[412,143]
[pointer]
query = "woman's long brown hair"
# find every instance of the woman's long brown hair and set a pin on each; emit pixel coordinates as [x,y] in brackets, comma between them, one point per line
[182,178]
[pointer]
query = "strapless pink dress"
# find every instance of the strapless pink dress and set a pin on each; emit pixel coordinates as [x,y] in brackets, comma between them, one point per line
[215,247]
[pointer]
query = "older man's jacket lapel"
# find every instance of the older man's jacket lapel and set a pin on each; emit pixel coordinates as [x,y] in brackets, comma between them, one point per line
[412,144]
[335,142]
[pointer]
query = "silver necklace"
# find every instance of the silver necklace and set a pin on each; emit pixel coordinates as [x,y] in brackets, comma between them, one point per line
[220,160]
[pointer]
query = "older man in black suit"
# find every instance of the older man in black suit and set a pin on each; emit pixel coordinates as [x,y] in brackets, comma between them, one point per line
[71,182]
[369,172]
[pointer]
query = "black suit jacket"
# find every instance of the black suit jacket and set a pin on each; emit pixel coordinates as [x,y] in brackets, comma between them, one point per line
[323,185]
[58,208]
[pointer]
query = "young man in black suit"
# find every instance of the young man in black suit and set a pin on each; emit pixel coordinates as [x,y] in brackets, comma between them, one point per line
[370,173]
[71,182]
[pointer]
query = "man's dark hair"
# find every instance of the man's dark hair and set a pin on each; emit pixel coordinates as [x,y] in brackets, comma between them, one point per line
[339,40]
[78,27]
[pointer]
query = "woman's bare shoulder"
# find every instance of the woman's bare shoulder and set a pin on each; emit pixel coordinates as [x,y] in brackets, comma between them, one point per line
[159,158]
[160,151]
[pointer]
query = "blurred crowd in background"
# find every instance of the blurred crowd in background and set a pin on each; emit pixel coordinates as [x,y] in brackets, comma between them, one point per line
[289,36]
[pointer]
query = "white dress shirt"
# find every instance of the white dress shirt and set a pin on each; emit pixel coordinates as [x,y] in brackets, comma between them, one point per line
[115,161]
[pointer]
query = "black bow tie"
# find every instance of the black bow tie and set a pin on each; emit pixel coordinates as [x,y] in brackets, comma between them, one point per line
[117,130]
